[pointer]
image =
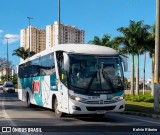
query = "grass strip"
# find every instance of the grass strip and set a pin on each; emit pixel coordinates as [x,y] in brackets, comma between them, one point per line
[142,107]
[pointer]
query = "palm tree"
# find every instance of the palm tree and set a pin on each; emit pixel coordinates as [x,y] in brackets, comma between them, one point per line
[141,39]
[95,41]
[22,53]
[105,41]
[143,42]
[151,49]
[131,40]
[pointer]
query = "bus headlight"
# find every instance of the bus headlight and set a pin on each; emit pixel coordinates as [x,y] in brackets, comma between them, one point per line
[121,97]
[78,99]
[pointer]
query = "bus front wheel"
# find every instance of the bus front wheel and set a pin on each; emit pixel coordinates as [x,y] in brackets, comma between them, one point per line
[58,114]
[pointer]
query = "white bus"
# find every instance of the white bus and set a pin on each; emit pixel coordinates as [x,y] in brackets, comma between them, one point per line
[74,79]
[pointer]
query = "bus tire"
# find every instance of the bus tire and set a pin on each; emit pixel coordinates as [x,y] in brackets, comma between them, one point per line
[29,105]
[57,113]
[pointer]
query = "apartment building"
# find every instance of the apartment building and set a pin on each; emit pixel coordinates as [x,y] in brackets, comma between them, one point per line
[37,39]
[5,71]
[68,34]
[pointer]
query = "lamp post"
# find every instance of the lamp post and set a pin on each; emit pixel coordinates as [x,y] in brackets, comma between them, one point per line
[59,23]
[29,18]
[157,58]
[7,61]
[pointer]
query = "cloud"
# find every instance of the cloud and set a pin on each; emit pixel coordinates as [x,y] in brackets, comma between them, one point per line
[1,31]
[12,38]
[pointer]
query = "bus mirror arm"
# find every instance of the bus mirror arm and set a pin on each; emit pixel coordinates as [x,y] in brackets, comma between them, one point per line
[66,61]
[125,63]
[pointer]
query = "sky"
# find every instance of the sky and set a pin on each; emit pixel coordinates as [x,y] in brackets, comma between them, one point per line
[96,17]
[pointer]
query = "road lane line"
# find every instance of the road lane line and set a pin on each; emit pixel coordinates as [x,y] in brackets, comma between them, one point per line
[141,120]
[4,113]
[11,123]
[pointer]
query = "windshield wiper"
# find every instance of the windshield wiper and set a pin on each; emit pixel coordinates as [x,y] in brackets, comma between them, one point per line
[91,81]
[109,81]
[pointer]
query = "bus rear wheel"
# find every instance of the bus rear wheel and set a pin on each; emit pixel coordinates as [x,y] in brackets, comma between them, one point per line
[29,105]
[57,113]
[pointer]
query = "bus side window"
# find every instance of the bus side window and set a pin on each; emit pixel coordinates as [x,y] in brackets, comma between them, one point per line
[21,71]
[36,67]
[47,65]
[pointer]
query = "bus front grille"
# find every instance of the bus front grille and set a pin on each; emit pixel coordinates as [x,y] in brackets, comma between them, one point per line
[107,108]
[98,102]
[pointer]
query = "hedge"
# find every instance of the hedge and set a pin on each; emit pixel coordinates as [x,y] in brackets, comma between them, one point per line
[140,98]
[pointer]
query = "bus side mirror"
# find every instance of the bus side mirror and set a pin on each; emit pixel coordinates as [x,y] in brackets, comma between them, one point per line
[125,63]
[66,61]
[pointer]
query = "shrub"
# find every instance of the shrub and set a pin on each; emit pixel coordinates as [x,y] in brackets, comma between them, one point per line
[140,98]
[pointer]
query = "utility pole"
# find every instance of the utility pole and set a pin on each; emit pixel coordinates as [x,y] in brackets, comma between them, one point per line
[157,58]
[59,23]
[29,50]
[7,61]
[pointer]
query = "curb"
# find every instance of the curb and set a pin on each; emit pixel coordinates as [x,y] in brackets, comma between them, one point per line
[142,114]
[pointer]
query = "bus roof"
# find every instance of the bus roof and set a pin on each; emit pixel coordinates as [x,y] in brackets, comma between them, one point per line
[85,49]
[77,49]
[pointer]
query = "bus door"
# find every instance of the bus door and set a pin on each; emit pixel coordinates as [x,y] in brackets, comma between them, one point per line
[62,83]
[63,94]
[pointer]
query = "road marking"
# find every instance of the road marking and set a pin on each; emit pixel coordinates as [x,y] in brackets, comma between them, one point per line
[4,113]
[11,123]
[141,120]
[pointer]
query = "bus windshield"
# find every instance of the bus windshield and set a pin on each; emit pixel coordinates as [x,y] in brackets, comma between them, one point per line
[96,74]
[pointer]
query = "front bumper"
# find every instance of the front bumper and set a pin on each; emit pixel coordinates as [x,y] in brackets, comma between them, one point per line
[81,108]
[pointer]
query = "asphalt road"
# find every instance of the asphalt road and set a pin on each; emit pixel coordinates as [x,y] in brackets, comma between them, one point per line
[14,112]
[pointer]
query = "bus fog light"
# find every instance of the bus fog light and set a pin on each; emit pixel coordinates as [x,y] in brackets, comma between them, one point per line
[74,107]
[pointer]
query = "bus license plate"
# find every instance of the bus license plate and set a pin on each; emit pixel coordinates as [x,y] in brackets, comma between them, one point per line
[101,111]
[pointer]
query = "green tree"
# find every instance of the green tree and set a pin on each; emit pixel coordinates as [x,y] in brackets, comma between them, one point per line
[104,41]
[4,65]
[3,78]
[151,50]
[22,53]
[14,79]
[141,39]
[131,39]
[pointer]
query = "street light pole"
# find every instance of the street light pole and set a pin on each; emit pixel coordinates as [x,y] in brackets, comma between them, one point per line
[157,58]
[7,61]
[59,23]
[29,18]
